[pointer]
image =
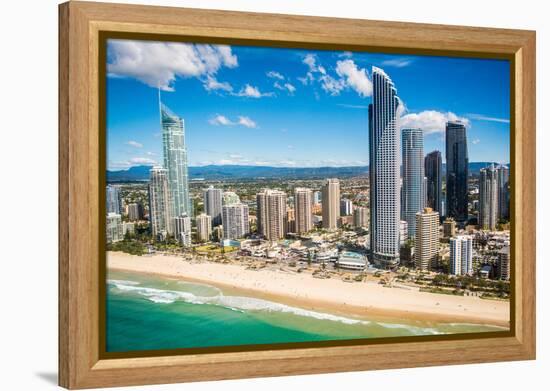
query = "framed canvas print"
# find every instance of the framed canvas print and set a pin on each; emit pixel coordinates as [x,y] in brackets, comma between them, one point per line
[247,195]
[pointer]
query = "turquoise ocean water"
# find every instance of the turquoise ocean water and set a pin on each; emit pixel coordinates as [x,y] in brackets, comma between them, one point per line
[149,313]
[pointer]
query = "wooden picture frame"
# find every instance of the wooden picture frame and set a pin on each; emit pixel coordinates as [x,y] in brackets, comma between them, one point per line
[81,149]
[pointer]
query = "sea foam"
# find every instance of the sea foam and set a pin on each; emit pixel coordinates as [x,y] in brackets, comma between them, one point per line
[236,303]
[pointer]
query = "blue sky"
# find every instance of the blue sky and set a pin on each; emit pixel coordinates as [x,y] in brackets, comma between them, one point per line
[290,107]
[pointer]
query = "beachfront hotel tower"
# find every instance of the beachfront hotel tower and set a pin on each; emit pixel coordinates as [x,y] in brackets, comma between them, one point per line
[456,151]
[384,167]
[427,239]
[330,193]
[213,204]
[488,198]
[235,221]
[412,145]
[271,213]
[460,262]
[160,210]
[433,169]
[204,227]
[303,217]
[175,160]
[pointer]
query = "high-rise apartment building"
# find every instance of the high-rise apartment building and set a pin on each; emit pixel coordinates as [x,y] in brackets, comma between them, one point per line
[204,227]
[114,228]
[488,198]
[113,201]
[433,170]
[302,210]
[235,221]
[175,160]
[160,210]
[503,184]
[503,263]
[346,207]
[361,217]
[213,204]
[271,213]
[456,151]
[330,193]
[460,262]
[427,239]
[384,170]
[412,145]
[135,211]
[182,229]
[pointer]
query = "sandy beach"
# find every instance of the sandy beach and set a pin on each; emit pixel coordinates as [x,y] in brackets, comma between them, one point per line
[366,299]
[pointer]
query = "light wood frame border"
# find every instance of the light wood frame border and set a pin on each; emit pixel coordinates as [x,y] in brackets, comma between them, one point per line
[79,25]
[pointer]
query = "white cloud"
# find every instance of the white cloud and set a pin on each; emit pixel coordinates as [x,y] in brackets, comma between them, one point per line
[157,64]
[430,121]
[135,144]
[222,120]
[235,156]
[212,84]
[481,117]
[355,78]
[285,87]
[275,75]
[346,54]
[252,92]
[331,85]
[476,141]
[143,160]
[398,62]
[310,61]
[246,121]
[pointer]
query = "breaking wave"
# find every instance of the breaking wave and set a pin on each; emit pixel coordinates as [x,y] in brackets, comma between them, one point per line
[236,303]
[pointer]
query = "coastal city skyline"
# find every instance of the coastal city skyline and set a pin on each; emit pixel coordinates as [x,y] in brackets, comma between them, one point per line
[424,221]
[292,104]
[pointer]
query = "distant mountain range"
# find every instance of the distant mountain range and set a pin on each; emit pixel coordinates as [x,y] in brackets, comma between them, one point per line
[141,173]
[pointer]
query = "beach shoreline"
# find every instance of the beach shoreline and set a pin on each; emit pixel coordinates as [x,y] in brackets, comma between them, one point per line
[357,299]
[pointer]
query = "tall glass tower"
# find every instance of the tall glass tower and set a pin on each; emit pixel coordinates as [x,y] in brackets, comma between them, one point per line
[433,171]
[412,144]
[456,146]
[384,171]
[175,160]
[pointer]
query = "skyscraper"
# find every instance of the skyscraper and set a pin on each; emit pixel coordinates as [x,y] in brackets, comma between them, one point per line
[503,184]
[460,262]
[433,171]
[346,207]
[135,211]
[413,176]
[175,160]
[271,213]
[360,217]
[213,204]
[113,199]
[160,211]
[456,151]
[182,229]
[204,227]
[331,203]
[427,238]
[488,198]
[235,221]
[114,228]
[384,170]
[302,210]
